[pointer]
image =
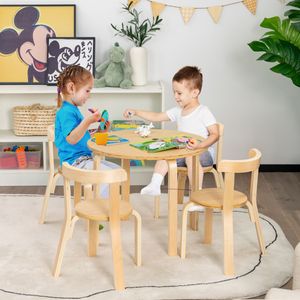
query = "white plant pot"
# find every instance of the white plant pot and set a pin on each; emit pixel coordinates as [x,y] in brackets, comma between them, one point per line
[138,61]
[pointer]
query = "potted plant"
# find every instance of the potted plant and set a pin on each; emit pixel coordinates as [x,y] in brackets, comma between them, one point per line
[282,43]
[139,32]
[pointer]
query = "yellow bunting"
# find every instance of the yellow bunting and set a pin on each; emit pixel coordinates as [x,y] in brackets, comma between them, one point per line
[134,2]
[251,5]
[157,8]
[187,13]
[215,12]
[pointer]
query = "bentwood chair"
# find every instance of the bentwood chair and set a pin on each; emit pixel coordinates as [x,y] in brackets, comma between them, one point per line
[182,174]
[226,199]
[94,210]
[53,174]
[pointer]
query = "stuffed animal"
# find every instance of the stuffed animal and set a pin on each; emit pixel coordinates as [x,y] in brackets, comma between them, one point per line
[114,72]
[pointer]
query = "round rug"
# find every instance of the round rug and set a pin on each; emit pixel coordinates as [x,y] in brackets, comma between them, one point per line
[27,253]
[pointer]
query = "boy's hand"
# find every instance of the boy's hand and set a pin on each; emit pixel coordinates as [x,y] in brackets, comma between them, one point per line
[128,113]
[192,144]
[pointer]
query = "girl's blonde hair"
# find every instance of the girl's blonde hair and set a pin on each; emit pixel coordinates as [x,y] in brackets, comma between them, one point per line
[76,74]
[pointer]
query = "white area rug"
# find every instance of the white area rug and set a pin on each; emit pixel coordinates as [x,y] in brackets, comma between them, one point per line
[27,253]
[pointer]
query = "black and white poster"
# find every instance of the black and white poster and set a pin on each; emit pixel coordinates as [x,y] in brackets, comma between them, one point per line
[64,52]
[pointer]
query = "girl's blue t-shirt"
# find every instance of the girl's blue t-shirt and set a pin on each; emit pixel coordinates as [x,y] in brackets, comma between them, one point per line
[68,118]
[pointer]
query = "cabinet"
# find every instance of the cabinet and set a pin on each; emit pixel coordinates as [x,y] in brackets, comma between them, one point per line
[115,100]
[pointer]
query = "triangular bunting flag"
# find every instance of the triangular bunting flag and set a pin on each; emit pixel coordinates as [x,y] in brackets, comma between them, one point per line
[157,8]
[215,12]
[134,2]
[186,13]
[251,5]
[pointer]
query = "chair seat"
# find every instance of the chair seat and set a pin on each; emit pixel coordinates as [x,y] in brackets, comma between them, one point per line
[98,210]
[213,197]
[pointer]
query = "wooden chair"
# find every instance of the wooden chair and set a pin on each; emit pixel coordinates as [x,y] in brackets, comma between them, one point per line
[95,209]
[182,175]
[226,199]
[53,174]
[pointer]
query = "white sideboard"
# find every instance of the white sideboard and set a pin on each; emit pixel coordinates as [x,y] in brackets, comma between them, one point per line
[115,100]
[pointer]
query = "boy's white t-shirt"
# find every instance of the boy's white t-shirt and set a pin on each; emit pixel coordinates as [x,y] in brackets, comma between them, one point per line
[195,122]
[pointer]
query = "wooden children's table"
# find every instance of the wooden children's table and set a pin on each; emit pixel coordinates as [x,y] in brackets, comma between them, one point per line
[125,152]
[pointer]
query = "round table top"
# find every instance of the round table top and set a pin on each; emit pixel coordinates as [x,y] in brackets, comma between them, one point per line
[125,151]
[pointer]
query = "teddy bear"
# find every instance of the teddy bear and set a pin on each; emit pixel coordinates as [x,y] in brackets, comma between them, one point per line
[114,72]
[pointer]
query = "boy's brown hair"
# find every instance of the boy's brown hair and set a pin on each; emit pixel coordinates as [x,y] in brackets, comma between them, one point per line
[191,74]
[77,74]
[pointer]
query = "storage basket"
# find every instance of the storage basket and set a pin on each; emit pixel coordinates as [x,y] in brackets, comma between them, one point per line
[33,119]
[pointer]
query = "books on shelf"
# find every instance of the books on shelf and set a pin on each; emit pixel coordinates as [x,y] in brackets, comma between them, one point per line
[126,124]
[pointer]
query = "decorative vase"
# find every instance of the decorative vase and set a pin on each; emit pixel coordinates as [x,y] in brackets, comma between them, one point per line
[138,60]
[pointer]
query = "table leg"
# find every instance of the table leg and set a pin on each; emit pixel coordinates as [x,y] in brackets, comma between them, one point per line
[172,203]
[194,216]
[126,184]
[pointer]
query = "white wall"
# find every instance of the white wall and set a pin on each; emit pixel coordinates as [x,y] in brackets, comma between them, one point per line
[258,107]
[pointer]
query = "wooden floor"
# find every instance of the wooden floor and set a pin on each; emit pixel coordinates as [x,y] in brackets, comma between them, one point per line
[278,198]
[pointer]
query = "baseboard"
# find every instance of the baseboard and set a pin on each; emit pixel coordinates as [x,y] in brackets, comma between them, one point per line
[279,168]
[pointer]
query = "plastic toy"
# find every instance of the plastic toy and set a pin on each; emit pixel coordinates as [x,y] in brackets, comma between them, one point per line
[21,157]
[104,123]
[144,130]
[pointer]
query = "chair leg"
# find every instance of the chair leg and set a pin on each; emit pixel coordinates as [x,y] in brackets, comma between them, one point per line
[258,230]
[64,237]
[138,240]
[228,242]
[53,185]
[156,207]
[46,198]
[184,228]
[181,187]
[93,231]
[208,226]
[194,220]
[216,177]
[250,211]
[115,233]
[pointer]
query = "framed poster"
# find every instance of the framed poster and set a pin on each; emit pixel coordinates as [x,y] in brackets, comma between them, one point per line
[24,30]
[64,52]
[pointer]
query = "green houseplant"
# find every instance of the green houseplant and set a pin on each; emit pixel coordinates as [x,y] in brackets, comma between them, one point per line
[136,30]
[139,32]
[282,43]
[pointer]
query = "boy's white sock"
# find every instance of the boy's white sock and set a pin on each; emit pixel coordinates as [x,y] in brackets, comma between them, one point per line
[153,188]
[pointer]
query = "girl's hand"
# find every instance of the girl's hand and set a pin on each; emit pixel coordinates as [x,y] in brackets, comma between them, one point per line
[128,113]
[192,144]
[94,117]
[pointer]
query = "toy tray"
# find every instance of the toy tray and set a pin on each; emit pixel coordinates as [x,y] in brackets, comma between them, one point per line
[169,143]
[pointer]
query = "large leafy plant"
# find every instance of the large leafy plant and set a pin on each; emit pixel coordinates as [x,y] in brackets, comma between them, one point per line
[282,43]
[136,30]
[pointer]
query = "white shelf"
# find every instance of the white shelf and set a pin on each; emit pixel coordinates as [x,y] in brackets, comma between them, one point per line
[150,88]
[7,136]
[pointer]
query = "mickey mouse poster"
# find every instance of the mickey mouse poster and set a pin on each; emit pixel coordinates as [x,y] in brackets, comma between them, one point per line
[24,30]
[64,52]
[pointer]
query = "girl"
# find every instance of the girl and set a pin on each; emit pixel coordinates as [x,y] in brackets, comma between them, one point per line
[74,85]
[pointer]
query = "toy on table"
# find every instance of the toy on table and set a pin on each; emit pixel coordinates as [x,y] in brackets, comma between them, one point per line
[144,130]
[104,124]
[162,144]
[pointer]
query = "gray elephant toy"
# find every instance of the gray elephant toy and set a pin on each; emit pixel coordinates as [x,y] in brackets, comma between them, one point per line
[114,72]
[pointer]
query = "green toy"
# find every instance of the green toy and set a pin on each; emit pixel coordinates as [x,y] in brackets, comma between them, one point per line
[114,72]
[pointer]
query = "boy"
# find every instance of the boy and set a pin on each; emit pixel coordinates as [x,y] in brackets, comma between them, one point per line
[191,117]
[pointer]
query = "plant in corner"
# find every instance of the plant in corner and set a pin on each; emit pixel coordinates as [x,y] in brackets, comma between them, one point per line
[139,32]
[282,43]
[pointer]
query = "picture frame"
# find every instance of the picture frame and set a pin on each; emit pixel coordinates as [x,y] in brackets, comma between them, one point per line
[64,51]
[24,30]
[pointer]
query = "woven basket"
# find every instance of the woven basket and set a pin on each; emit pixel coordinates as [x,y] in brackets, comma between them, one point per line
[33,119]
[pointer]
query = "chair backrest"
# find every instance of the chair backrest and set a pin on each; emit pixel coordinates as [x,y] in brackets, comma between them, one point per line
[220,143]
[231,167]
[50,134]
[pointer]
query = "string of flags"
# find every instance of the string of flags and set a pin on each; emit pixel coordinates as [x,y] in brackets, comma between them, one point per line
[214,11]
